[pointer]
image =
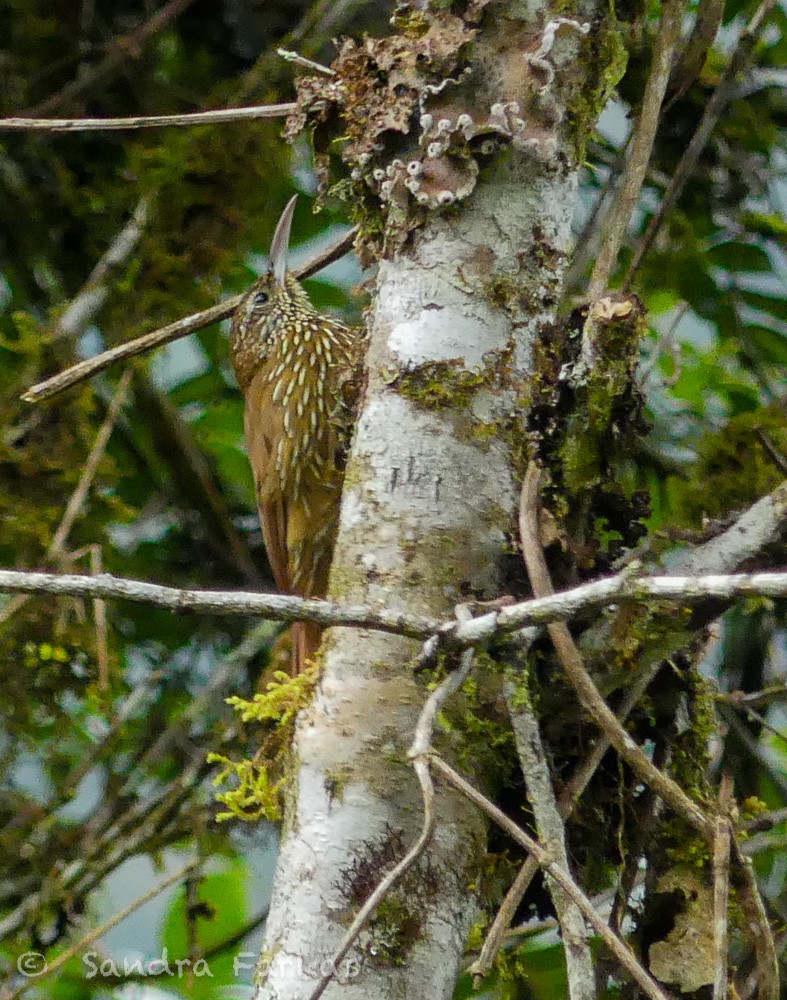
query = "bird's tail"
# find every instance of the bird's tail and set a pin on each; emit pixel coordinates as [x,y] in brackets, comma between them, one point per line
[306,638]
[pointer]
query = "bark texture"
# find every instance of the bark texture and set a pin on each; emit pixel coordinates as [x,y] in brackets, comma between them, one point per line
[428,518]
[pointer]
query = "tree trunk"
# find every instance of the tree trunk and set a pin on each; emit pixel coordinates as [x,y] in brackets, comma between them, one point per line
[428,520]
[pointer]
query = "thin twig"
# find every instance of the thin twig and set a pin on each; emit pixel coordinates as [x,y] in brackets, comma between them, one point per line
[573,665]
[287,608]
[566,804]
[173,331]
[710,14]
[754,747]
[120,50]
[90,298]
[298,59]
[641,147]
[778,456]
[714,108]
[619,948]
[419,755]
[721,888]
[216,117]
[551,833]
[99,931]
[77,499]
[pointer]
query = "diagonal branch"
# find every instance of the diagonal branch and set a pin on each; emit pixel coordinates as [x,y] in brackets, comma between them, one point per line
[566,803]
[577,674]
[551,832]
[619,948]
[714,109]
[173,331]
[102,929]
[120,49]
[638,157]
[82,309]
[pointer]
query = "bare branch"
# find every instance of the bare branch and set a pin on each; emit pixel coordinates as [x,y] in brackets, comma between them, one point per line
[286,608]
[77,499]
[566,804]
[93,294]
[619,948]
[173,331]
[217,117]
[714,109]
[279,607]
[552,834]
[576,672]
[627,195]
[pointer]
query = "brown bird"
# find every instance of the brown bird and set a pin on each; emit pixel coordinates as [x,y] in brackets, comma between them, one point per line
[300,373]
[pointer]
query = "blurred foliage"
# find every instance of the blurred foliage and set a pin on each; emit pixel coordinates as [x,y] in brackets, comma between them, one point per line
[81,763]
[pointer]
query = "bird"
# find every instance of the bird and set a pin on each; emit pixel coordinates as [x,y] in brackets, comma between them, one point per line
[300,373]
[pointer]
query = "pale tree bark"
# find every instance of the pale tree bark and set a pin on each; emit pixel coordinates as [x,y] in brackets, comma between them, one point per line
[428,516]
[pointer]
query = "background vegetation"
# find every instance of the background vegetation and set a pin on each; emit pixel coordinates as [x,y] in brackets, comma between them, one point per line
[105,733]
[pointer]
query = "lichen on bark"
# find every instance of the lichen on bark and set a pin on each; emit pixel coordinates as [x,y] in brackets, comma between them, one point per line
[465,287]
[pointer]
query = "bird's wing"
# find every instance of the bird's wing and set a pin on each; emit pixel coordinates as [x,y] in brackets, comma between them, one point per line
[264,429]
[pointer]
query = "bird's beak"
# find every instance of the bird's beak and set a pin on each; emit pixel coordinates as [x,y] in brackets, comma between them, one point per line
[280,243]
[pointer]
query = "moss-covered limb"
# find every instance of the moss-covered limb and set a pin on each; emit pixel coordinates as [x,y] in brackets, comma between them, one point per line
[585,413]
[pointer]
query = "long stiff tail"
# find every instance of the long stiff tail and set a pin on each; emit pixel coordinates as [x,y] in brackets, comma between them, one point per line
[306,638]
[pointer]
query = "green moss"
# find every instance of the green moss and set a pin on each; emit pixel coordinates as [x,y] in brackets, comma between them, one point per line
[437,385]
[477,726]
[336,780]
[262,782]
[395,928]
[604,60]
[735,466]
[689,758]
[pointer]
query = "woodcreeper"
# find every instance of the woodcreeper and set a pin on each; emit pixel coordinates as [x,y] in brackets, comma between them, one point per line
[300,374]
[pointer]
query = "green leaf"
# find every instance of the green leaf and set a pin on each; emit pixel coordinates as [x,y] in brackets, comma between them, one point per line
[766,225]
[774,305]
[737,256]
[770,344]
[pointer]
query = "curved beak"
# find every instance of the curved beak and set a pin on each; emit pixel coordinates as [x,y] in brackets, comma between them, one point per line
[281,242]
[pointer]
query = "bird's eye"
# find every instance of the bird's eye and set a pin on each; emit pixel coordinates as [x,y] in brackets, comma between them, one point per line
[260,298]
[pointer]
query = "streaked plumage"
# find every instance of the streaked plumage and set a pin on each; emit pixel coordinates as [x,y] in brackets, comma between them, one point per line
[299,372]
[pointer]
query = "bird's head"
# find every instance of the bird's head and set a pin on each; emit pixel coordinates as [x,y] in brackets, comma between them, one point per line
[267,313]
